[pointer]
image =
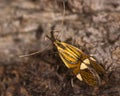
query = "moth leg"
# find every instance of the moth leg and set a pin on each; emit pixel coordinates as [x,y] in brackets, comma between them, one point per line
[72,82]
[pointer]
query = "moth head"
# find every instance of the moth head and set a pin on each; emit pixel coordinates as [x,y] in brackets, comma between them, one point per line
[60,45]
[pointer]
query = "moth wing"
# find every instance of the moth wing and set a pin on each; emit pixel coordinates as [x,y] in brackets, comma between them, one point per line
[98,68]
[90,77]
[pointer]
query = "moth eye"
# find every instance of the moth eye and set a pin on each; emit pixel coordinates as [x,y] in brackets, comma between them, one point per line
[86,61]
[83,66]
[79,77]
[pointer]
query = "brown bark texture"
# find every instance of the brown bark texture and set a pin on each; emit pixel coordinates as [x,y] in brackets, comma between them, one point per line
[91,25]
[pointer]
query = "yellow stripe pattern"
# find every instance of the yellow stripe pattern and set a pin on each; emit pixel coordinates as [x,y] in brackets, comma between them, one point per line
[80,63]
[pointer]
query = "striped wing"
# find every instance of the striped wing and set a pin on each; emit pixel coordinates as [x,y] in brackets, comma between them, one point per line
[90,77]
[98,68]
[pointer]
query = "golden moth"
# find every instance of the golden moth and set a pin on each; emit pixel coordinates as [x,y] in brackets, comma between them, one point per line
[83,66]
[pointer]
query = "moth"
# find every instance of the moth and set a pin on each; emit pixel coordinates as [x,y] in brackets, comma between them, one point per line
[83,66]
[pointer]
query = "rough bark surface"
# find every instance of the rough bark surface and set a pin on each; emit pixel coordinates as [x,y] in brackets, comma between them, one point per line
[92,25]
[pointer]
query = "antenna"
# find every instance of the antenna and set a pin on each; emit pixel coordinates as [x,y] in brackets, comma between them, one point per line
[63,3]
[63,13]
[29,54]
[47,36]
